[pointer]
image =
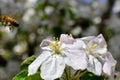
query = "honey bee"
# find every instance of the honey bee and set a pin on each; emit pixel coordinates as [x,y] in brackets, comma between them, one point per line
[8,21]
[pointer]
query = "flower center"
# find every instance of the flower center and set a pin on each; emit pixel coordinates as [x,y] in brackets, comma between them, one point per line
[91,48]
[55,46]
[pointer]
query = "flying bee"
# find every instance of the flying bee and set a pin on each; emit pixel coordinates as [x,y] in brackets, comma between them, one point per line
[8,21]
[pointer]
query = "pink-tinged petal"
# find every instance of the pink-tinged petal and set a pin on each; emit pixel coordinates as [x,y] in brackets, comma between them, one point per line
[100,41]
[109,65]
[107,68]
[45,43]
[76,59]
[52,68]
[66,39]
[110,59]
[94,66]
[33,67]
[78,44]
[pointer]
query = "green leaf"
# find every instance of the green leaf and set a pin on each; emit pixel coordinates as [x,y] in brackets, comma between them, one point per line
[21,76]
[40,7]
[25,63]
[108,33]
[34,77]
[71,14]
[91,76]
[44,17]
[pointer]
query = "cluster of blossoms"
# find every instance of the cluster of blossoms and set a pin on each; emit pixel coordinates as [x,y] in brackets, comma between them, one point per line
[82,53]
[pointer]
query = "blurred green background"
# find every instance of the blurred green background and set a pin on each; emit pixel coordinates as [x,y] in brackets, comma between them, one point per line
[41,19]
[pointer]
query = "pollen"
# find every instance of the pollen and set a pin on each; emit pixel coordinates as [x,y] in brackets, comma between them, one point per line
[91,48]
[55,46]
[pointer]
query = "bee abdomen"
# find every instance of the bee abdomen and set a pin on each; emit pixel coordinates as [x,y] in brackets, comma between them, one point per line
[8,21]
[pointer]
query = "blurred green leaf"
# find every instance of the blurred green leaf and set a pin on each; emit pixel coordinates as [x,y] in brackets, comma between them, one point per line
[91,76]
[34,77]
[40,7]
[21,76]
[108,33]
[71,14]
[62,12]
[25,63]
[44,17]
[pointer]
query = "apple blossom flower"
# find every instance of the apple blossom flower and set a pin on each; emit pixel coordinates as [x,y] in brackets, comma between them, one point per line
[99,59]
[57,54]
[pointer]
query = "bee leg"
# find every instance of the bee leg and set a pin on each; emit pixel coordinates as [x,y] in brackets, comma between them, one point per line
[10,27]
[2,22]
[5,23]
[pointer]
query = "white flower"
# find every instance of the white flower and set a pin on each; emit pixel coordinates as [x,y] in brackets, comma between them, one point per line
[99,59]
[56,55]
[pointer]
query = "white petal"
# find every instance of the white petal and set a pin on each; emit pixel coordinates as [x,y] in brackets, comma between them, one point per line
[107,68]
[66,39]
[110,59]
[33,67]
[94,65]
[78,44]
[87,38]
[100,41]
[98,67]
[76,59]
[52,68]
[109,65]
[101,51]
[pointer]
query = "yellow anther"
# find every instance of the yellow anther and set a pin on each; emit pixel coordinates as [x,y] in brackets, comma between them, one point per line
[55,46]
[70,35]
[91,48]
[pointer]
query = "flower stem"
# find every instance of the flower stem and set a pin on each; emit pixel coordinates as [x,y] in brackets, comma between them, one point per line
[78,74]
[68,73]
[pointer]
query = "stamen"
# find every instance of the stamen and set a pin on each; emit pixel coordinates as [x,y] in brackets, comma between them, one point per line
[92,47]
[70,35]
[55,46]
